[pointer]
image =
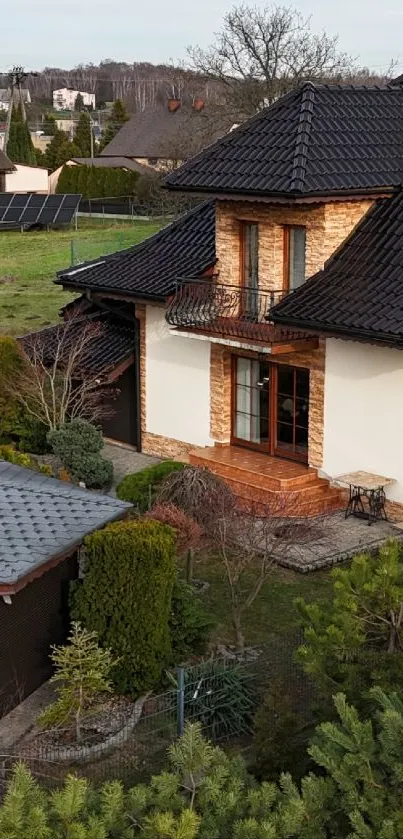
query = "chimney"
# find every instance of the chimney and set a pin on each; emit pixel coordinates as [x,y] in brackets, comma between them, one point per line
[173,105]
[198,104]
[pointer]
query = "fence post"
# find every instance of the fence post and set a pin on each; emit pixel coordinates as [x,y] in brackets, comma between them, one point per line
[72,254]
[181,700]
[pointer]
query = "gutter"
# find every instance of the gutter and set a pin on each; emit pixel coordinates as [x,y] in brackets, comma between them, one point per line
[342,332]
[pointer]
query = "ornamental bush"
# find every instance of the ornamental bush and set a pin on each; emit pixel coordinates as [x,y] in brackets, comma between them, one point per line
[125,598]
[78,445]
[140,488]
[190,624]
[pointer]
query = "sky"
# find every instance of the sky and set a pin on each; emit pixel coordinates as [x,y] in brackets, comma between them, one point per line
[69,32]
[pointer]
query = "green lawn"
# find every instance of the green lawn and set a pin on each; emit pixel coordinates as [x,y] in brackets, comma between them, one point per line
[29,261]
[273,613]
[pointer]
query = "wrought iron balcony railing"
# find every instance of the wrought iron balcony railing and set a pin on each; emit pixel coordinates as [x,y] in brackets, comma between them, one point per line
[230,311]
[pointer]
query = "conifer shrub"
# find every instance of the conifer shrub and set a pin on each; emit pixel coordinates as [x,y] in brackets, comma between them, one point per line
[190,623]
[125,598]
[141,488]
[78,445]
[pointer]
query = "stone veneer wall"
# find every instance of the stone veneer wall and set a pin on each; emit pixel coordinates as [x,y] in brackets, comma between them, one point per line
[327,226]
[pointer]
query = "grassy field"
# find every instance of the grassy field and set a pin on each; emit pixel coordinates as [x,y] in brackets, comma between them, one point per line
[29,261]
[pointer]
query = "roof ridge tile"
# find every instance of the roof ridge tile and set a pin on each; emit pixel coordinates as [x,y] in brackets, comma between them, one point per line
[302,139]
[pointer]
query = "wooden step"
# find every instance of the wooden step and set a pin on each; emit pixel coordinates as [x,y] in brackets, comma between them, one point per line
[238,471]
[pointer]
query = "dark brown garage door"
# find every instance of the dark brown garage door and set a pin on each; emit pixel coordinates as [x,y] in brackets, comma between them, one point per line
[122,425]
[37,618]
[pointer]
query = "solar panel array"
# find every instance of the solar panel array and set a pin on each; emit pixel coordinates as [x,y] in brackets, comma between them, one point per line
[25,209]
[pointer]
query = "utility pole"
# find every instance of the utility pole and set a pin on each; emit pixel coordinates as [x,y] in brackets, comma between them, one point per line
[15,79]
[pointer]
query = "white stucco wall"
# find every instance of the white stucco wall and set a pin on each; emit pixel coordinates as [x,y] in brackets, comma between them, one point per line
[363,421]
[27,179]
[177,383]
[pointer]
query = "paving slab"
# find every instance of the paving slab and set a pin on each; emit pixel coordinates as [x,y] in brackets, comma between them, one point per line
[327,540]
[125,461]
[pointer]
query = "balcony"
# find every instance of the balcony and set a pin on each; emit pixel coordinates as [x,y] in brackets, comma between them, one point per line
[234,313]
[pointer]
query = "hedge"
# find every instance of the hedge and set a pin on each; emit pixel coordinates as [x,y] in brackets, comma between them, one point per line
[97,182]
[126,598]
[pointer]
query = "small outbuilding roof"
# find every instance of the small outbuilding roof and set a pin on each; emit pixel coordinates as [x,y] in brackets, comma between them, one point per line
[42,520]
[5,164]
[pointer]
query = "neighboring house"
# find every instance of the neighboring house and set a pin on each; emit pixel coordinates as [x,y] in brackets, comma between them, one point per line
[43,523]
[5,98]
[26,178]
[245,365]
[100,162]
[64,99]
[6,168]
[163,136]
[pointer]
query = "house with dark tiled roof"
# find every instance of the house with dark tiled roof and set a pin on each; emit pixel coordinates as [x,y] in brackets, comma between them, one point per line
[170,132]
[268,320]
[43,522]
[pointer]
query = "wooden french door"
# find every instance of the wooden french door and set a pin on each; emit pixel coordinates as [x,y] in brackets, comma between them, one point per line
[270,407]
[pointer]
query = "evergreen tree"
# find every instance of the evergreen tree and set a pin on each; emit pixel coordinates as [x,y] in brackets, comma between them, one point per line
[59,150]
[20,148]
[82,138]
[49,125]
[79,103]
[355,794]
[354,642]
[83,669]
[117,117]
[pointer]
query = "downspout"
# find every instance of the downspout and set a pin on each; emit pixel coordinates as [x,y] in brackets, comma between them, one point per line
[137,368]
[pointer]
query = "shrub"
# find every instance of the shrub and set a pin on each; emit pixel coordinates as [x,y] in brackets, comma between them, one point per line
[198,492]
[126,598]
[190,624]
[22,459]
[78,445]
[140,488]
[220,697]
[280,737]
[188,532]
[31,435]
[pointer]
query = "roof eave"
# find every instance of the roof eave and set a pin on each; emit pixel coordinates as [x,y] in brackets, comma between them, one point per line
[335,331]
[53,561]
[290,194]
[88,290]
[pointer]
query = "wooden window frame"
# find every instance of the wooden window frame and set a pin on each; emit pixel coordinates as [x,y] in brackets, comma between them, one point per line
[272,448]
[287,252]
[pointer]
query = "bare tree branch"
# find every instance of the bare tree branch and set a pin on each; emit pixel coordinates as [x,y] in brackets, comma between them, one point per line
[57,382]
[261,53]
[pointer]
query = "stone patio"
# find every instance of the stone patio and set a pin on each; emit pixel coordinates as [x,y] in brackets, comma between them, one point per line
[332,539]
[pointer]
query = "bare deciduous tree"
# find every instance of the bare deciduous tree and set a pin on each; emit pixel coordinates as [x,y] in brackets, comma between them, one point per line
[57,381]
[261,53]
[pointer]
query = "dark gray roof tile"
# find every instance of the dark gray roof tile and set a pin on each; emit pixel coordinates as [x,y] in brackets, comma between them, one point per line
[41,517]
[359,293]
[185,248]
[318,139]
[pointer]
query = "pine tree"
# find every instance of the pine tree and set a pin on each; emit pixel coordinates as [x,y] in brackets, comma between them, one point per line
[354,642]
[83,668]
[116,119]
[82,138]
[20,148]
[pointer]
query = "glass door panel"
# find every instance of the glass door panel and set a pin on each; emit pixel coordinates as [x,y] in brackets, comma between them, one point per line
[251,397]
[292,411]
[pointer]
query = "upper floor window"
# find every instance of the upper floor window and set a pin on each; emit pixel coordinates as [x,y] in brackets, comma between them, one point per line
[250,254]
[250,267]
[294,257]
